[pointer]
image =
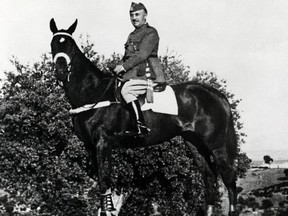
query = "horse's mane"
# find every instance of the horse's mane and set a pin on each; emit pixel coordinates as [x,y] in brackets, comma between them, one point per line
[93,67]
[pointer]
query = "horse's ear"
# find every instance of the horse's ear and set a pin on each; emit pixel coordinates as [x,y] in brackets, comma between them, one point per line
[53,26]
[72,27]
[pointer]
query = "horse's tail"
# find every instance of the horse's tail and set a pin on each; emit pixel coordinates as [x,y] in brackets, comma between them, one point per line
[231,140]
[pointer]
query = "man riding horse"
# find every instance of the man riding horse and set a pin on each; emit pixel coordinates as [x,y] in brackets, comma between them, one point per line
[204,119]
[140,66]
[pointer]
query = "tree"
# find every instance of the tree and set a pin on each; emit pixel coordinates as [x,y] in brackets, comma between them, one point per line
[267,159]
[174,68]
[44,163]
[243,164]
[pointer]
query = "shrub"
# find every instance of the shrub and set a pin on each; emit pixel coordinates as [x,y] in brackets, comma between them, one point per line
[269,212]
[267,203]
[242,201]
[286,172]
[254,205]
[239,190]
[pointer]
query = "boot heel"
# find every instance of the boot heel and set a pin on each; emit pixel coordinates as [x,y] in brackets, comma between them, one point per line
[142,128]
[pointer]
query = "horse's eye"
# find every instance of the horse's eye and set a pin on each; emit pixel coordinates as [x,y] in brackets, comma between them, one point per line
[62,40]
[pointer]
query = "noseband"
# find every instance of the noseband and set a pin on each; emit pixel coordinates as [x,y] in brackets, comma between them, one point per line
[64,55]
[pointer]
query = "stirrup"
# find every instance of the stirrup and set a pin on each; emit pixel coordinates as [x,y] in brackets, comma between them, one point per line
[142,129]
[139,130]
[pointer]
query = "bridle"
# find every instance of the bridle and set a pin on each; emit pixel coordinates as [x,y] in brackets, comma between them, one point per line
[64,55]
[68,60]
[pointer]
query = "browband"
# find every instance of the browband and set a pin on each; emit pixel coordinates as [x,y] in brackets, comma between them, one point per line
[63,33]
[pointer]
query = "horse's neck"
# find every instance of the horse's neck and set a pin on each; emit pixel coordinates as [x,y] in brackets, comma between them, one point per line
[84,82]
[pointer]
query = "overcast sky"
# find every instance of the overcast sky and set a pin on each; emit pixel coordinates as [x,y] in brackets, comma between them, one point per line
[244,42]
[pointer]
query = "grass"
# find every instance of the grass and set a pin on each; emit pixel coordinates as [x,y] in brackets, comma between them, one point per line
[264,192]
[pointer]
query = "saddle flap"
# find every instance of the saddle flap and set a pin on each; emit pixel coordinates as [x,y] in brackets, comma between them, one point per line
[163,102]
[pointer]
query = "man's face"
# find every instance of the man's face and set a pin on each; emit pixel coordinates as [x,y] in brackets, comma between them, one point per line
[138,18]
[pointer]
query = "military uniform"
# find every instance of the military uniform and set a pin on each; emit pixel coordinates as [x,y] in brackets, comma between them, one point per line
[141,51]
[141,65]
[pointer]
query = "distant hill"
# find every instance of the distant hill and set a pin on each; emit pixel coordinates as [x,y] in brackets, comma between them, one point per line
[278,154]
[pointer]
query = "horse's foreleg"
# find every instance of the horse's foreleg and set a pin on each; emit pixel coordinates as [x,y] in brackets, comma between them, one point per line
[92,161]
[104,152]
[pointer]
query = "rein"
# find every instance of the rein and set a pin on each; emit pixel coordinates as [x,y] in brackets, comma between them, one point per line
[98,102]
[106,89]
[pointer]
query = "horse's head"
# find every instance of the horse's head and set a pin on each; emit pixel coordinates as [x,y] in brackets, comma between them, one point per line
[62,46]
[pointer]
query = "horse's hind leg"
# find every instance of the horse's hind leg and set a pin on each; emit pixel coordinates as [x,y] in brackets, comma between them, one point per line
[209,176]
[228,174]
[224,158]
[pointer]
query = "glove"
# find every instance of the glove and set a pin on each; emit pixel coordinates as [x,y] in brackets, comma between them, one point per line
[111,66]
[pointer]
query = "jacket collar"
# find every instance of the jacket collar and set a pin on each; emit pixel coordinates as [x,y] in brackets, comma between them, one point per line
[142,27]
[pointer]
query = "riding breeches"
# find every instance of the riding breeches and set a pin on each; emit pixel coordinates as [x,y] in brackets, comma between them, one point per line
[133,88]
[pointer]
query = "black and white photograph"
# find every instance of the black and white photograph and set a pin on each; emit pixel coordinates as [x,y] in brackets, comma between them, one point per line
[143,108]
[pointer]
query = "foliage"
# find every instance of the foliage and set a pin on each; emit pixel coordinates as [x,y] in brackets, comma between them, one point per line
[282,212]
[243,164]
[44,165]
[175,70]
[267,159]
[163,174]
[267,203]
[286,172]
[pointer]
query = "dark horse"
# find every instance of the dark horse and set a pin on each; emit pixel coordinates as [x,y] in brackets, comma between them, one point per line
[204,121]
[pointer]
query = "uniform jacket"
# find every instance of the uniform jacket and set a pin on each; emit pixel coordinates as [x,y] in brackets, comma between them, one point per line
[141,50]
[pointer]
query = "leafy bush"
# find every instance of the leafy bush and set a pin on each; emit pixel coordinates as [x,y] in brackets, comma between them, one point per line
[267,203]
[286,172]
[282,212]
[158,175]
[242,201]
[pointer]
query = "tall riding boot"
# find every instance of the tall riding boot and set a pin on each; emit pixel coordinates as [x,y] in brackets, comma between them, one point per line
[137,120]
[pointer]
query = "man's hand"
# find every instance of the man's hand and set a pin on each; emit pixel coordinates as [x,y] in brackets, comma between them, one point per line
[118,69]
